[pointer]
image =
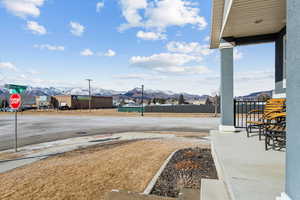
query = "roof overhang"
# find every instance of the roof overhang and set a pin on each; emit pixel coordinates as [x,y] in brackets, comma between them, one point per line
[246,19]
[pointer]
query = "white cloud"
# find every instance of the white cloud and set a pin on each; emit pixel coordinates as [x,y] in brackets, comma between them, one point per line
[164,59]
[170,63]
[151,35]
[8,66]
[161,14]
[87,52]
[76,28]
[140,77]
[193,48]
[110,53]
[49,47]
[237,54]
[184,70]
[99,6]
[23,8]
[130,10]
[36,28]
[207,39]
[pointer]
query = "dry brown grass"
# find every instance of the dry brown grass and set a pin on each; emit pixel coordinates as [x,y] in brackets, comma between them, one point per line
[89,173]
[111,112]
[9,155]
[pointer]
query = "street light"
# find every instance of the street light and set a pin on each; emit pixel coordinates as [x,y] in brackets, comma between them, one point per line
[90,96]
[142,113]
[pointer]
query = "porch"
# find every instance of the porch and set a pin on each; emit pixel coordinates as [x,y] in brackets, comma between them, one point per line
[248,171]
[247,22]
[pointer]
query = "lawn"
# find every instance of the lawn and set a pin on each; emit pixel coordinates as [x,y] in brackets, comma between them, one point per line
[90,173]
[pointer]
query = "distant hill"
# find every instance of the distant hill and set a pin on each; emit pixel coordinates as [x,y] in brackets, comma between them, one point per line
[150,94]
[256,94]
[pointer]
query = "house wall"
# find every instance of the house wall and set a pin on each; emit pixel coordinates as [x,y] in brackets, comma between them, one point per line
[102,102]
[82,102]
[63,99]
[293,99]
[280,65]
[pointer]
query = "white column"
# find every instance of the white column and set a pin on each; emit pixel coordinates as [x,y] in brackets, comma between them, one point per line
[293,100]
[226,89]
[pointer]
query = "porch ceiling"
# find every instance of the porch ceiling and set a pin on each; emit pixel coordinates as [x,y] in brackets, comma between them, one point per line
[245,18]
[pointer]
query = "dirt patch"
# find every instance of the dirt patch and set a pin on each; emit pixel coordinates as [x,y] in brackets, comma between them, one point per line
[197,135]
[185,170]
[90,173]
[9,156]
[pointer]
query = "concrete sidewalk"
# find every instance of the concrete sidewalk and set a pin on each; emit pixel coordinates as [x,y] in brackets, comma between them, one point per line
[28,154]
[248,170]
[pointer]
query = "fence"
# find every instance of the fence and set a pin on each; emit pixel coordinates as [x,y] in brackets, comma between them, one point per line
[171,109]
[130,109]
[242,109]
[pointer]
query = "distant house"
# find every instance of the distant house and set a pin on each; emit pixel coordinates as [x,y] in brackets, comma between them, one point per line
[82,101]
[203,101]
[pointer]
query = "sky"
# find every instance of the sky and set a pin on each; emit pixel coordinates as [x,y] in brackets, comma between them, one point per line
[121,44]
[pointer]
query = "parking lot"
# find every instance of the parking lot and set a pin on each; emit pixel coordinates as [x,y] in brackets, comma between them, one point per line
[43,128]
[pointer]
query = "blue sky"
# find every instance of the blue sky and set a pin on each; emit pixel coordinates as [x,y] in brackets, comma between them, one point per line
[121,44]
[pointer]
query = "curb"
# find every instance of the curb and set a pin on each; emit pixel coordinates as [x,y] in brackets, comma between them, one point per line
[152,183]
[220,168]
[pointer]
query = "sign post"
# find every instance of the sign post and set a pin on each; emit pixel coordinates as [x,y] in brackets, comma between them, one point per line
[15,103]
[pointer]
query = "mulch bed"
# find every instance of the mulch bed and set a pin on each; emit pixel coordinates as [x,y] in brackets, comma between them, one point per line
[185,170]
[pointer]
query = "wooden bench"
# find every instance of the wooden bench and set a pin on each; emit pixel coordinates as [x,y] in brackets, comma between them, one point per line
[272,107]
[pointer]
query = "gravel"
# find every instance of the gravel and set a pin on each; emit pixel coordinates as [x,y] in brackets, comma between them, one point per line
[185,170]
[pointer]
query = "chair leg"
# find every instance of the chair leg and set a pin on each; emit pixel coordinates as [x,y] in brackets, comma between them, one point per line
[247,130]
[274,140]
[259,133]
[266,145]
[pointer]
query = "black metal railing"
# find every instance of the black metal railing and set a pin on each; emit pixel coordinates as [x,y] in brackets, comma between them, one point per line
[242,112]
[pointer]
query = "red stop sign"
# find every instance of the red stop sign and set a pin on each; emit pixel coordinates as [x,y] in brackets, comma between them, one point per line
[15,101]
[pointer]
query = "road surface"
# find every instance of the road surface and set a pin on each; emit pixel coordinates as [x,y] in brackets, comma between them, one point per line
[38,128]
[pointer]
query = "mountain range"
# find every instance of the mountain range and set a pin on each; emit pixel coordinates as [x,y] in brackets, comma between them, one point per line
[31,92]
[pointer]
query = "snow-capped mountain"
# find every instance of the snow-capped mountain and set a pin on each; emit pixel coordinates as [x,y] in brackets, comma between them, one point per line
[31,92]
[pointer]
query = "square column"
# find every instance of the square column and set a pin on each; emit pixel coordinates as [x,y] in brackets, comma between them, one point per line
[293,101]
[226,90]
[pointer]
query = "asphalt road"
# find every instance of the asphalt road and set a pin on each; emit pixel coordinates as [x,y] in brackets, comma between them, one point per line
[36,129]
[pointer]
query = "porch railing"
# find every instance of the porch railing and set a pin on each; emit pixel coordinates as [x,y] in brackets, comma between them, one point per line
[243,107]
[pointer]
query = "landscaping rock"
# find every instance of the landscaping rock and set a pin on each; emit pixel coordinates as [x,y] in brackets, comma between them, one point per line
[185,170]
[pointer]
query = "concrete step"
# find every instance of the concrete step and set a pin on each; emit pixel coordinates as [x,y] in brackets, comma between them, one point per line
[189,194]
[212,189]
[125,195]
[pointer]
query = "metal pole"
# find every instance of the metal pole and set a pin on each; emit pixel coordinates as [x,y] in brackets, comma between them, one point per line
[90,98]
[16,131]
[142,100]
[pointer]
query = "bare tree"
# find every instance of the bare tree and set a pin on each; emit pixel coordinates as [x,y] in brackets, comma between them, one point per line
[181,99]
[216,102]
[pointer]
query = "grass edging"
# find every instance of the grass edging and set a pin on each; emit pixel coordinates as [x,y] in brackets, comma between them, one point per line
[152,183]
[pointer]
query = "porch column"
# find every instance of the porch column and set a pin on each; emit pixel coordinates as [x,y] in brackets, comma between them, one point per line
[293,100]
[226,90]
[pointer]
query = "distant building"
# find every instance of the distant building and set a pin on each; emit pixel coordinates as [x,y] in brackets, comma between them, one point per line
[204,101]
[82,102]
[44,102]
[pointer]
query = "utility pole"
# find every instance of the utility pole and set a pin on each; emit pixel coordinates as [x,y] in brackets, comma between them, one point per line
[142,100]
[90,96]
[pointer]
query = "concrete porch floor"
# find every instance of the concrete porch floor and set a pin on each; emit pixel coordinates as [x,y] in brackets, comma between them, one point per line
[247,169]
